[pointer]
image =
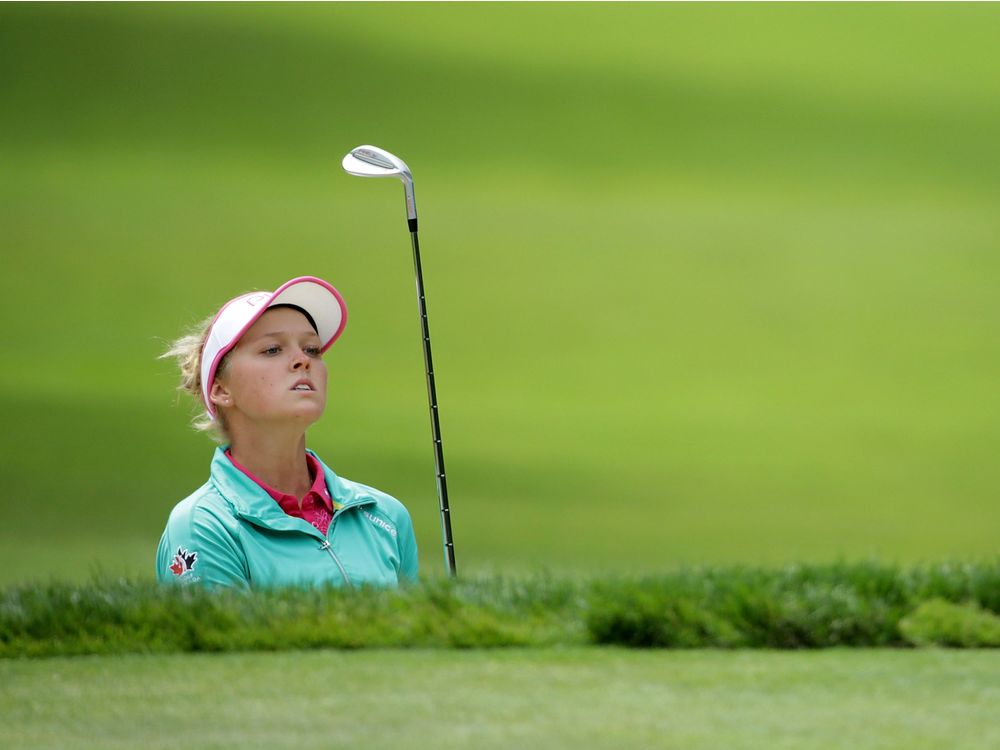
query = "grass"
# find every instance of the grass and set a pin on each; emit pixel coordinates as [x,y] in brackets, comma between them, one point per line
[709,285]
[594,698]
[859,605]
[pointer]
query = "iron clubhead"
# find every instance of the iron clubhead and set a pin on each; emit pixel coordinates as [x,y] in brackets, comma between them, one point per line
[372,161]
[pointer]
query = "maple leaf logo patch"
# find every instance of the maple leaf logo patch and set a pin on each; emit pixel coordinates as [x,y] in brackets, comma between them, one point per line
[183,561]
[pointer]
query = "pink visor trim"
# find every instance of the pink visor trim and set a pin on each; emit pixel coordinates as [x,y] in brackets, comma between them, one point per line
[313,295]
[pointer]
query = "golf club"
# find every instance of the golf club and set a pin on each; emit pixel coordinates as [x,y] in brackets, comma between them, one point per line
[371,161]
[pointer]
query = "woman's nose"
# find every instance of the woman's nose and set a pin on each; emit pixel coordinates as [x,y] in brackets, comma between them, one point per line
[301,360]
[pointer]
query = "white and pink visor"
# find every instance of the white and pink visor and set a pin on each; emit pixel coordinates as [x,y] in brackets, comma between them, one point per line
[315,296]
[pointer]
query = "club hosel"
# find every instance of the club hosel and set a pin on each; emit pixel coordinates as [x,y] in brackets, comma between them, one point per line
[411,201]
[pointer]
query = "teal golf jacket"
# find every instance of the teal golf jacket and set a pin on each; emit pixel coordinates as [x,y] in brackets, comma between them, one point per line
[230,532]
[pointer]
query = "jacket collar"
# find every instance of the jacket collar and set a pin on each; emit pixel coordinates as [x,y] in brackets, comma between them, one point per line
[249,500]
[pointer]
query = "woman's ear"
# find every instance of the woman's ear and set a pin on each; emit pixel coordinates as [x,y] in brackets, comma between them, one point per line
[219,394]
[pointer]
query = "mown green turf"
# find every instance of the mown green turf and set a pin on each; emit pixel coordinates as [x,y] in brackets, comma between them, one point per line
[502,699]
[706,283]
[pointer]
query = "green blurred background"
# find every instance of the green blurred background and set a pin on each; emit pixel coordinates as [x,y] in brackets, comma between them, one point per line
[706,283]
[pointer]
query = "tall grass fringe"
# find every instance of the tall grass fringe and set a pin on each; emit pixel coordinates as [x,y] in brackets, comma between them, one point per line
[800,606]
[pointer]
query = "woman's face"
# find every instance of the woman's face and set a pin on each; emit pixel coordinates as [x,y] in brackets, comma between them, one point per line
[274,373]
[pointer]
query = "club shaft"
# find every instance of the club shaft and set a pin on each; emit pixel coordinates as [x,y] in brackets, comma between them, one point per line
[442,482]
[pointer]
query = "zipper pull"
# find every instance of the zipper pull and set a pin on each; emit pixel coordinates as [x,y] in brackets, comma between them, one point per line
[333,556]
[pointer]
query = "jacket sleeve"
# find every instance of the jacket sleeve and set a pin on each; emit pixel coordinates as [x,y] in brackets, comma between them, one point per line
[408,563]
[197,547]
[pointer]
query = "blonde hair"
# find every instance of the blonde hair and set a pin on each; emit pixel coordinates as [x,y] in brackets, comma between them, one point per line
[186,350]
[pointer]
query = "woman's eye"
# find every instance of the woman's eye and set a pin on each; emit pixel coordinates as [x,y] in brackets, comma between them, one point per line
[312,351]
[272,350]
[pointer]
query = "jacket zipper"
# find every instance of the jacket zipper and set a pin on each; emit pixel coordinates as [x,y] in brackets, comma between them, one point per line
[333,555]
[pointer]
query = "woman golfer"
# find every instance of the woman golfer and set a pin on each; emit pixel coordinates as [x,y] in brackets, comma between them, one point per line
[271,513]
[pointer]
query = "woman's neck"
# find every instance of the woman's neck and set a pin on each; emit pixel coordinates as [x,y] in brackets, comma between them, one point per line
[279,462]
